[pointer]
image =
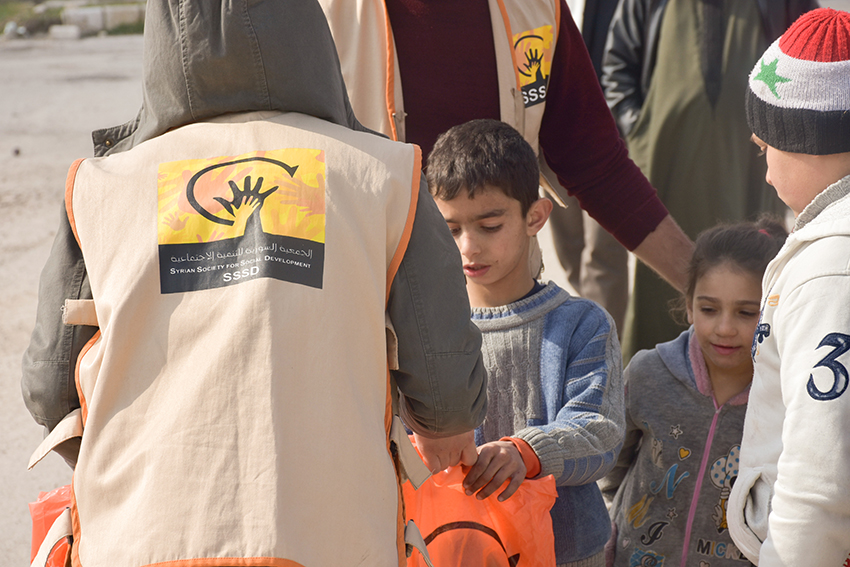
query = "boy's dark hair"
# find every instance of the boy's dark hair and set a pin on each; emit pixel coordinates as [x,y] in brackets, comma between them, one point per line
[483,152]
[748,246]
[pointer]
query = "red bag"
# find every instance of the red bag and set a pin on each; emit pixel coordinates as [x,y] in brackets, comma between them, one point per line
[460,530]
[44,512]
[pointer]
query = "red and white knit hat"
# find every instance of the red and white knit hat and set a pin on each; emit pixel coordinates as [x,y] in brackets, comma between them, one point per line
[799,95]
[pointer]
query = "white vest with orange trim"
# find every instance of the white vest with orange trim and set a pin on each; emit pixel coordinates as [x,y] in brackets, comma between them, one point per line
[525,33]
[235,400]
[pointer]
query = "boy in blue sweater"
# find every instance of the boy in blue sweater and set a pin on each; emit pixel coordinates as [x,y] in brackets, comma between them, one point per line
[555,388]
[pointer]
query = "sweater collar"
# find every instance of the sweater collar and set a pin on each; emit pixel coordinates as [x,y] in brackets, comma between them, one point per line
[520,312]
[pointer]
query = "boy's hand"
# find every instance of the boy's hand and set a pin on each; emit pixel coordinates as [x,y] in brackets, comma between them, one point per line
[440,454]
[498,461]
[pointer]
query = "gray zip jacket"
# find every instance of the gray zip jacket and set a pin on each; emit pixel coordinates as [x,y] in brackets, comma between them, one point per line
[669,489]
[286,61]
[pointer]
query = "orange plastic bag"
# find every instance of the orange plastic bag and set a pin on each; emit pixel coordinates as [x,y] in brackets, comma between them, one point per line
[44,512]
[462,531]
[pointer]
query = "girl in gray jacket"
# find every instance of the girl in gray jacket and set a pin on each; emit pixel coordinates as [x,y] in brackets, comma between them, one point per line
[685,405]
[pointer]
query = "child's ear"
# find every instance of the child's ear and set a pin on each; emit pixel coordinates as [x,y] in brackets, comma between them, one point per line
[690,312]
[537,215]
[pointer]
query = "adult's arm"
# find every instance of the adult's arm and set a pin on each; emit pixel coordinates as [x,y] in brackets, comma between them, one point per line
[581,444]
[623,62]
[49,363]
[667,250]
[441,373]
[581,144]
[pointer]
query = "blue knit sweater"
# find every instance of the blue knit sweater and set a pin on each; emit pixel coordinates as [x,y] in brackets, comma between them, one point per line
[555,380]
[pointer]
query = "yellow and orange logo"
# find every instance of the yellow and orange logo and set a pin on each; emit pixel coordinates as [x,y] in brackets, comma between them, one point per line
[230,219]
[207,200]
[533,55]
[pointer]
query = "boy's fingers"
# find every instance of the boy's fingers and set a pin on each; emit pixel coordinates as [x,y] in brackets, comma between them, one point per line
[514,485]
[491,478]
[475,479]
[483,479]
[497,479]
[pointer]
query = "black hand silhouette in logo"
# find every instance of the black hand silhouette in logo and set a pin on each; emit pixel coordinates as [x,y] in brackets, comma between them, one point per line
[245,201]
[534,63]
[252,197]
[245,196]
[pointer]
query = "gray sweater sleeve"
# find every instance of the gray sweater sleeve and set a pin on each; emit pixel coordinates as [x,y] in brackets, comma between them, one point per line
[49,363]
[441,374]
[579,444]
[610,484]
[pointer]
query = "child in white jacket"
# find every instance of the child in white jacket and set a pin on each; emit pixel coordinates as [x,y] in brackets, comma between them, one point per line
[791,502]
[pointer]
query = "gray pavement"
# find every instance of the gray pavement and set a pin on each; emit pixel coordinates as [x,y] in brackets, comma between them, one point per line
[52,95]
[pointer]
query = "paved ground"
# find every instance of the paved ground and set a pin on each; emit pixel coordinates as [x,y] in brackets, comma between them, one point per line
[52,94]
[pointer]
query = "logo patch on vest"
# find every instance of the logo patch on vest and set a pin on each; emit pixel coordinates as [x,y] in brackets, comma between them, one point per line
[533,54]
[225,220]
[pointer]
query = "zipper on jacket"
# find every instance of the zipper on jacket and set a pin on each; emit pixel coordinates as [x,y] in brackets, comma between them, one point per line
[700,477]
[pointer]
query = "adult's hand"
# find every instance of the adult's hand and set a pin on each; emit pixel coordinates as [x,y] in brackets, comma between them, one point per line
[442,453]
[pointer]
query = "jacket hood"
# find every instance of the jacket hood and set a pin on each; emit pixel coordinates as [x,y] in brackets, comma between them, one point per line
[684,360]
[674,355]
[206,58]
